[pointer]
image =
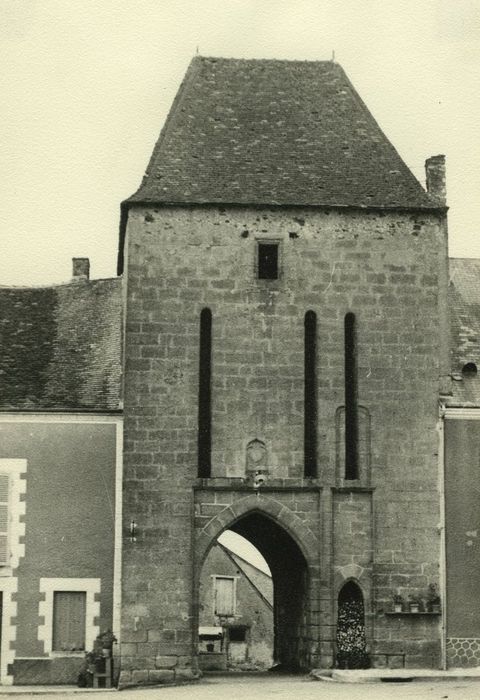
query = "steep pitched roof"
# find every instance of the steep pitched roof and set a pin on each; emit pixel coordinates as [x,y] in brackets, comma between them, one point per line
[464,309]
[60,347]
[275,132]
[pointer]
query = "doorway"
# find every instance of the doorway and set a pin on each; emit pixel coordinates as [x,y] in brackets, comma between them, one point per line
[351,638]
[263,615]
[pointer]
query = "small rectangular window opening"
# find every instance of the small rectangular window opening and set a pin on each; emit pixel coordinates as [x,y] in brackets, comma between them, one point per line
[268,261]
[237,633]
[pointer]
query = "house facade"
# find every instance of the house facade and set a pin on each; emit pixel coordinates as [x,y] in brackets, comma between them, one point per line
[60,475]
[235,613]
[461,443]
[290,372]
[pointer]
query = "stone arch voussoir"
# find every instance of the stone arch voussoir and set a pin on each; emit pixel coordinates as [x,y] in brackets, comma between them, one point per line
[278,512]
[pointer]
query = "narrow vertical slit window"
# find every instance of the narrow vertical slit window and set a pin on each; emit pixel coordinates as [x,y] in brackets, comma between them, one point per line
[310,395]
[205,395]
[351,401]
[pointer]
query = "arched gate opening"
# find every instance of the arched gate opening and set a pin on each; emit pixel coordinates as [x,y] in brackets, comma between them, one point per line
[290,579]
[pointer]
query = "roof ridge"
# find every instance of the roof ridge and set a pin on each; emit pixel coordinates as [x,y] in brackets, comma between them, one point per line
[56,285]
[265,60]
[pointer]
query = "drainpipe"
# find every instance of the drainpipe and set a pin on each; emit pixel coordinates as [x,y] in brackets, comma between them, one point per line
[443,550]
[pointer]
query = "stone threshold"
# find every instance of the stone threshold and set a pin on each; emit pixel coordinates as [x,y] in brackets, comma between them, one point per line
[60,690]
[401,675]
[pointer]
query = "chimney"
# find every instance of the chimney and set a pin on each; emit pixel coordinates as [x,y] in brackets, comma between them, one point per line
[436,184]
[80,269]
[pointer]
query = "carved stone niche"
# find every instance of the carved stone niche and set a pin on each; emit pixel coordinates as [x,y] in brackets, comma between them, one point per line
[256,456]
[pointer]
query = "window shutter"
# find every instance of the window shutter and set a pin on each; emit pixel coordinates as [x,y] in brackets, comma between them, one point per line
[69,609]
[224,596]
[4,517]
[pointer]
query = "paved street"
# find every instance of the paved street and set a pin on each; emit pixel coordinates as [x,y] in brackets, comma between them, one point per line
[291,688]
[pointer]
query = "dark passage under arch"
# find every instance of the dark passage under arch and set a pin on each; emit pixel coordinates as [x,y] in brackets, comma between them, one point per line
[293,642]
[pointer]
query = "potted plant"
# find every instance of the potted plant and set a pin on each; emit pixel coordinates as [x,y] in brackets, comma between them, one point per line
[433,599]
[397,603]
[415,603]
[105,641]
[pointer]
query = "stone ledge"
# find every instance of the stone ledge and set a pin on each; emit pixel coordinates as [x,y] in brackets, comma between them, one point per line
[157,677]
[353,489]
[244,485]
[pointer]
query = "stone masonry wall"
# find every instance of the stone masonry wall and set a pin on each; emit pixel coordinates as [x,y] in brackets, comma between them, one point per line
[295,509]
[387,268]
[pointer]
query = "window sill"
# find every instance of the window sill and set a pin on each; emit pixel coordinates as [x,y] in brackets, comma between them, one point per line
[358,488]
[57,654]
[421,613]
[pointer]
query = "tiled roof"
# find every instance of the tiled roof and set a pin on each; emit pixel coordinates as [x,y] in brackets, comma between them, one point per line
[275,132]
[464,308]
[60,347]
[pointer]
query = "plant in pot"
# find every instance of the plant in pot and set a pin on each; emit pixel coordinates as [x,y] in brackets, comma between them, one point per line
[397,603]
[433,599]
[105,641]
[415,603]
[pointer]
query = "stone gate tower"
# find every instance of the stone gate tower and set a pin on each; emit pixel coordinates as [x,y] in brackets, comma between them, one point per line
[286,283]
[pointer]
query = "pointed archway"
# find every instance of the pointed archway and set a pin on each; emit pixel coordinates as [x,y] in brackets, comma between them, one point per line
[351,637]
[290,586]
[277,533]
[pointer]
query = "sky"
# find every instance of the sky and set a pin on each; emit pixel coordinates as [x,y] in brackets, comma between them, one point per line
[245,549]
[86,86]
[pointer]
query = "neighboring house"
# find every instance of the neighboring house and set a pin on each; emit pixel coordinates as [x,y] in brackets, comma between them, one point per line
[60,474]
[288,373]
[461,413]
[237,598]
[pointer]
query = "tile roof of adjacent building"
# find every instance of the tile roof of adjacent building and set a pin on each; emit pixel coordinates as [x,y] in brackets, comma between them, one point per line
[464,309]
[270,132]
[60,346]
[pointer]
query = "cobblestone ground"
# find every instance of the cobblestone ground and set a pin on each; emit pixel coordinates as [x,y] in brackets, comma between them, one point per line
[291,688]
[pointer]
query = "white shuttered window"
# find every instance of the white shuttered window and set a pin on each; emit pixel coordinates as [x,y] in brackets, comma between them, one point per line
[4,517]
[224,595]
[69,609]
